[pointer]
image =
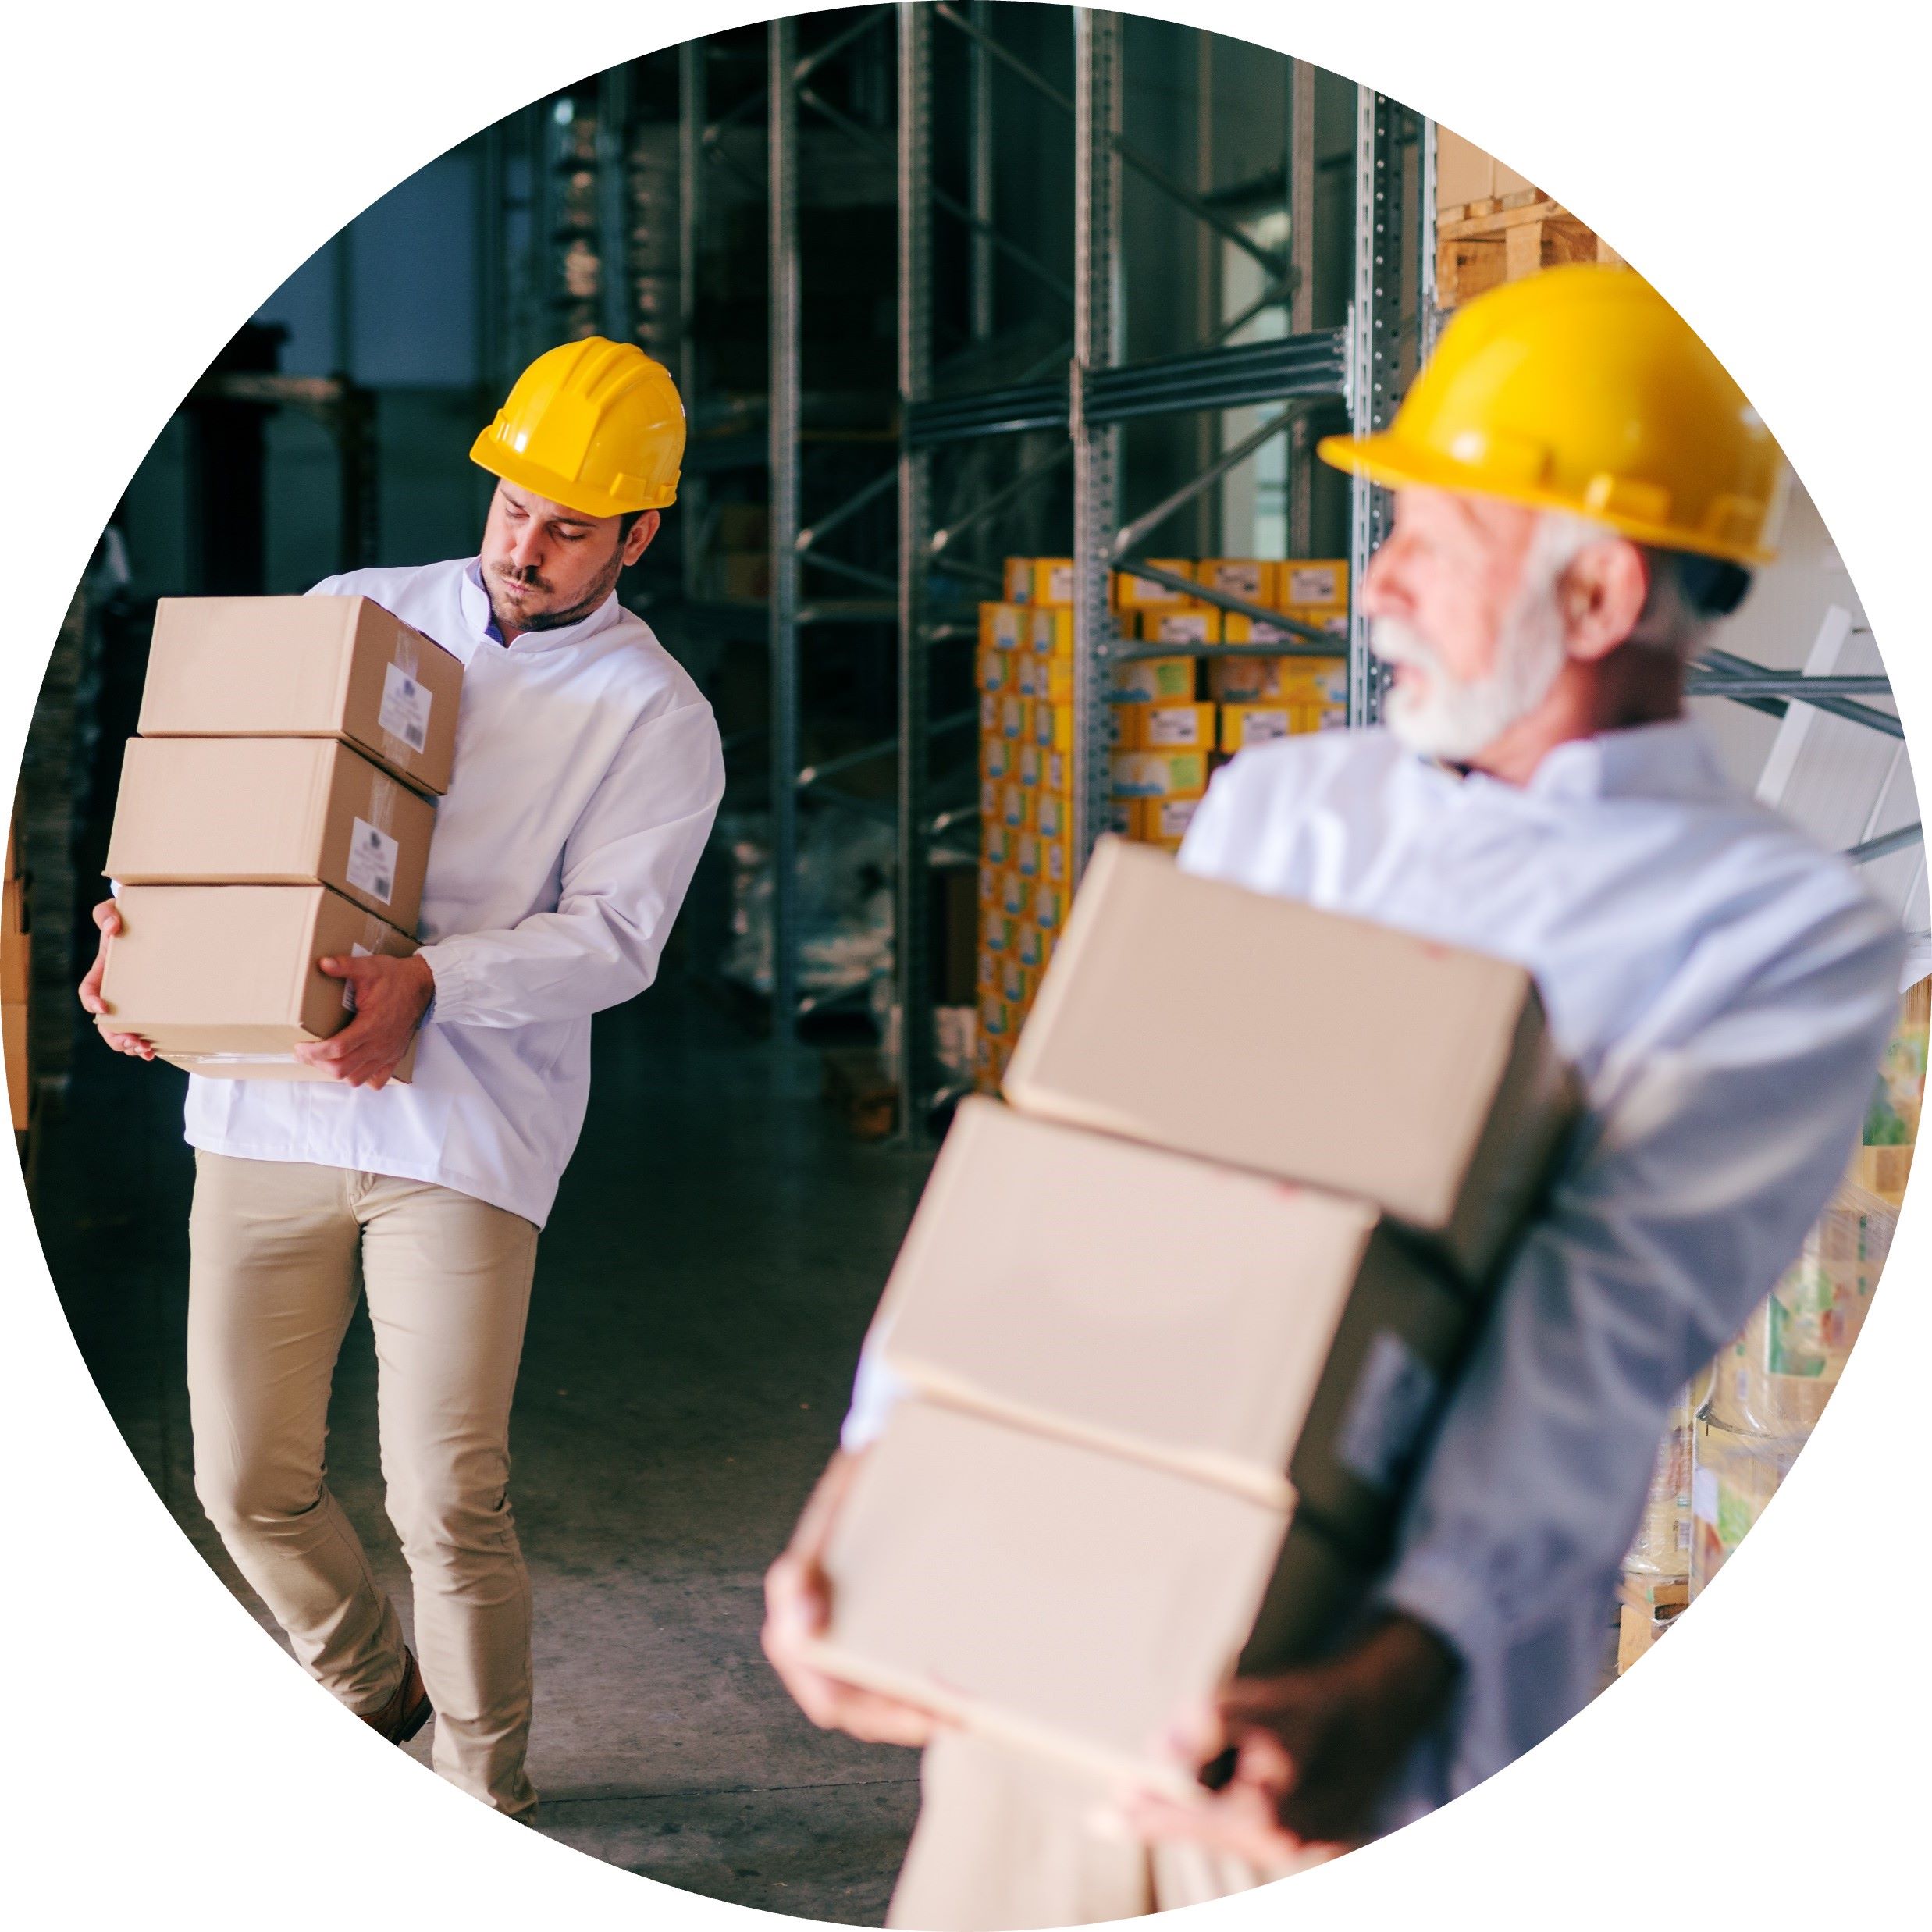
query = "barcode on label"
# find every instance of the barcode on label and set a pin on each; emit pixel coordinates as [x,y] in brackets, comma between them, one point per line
[405,712]
[372,866]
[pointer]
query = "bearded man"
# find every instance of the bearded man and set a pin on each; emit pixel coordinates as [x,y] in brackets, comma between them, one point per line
[1580,491]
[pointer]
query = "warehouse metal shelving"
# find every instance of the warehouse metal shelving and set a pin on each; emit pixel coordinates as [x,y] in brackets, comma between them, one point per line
[1083,392]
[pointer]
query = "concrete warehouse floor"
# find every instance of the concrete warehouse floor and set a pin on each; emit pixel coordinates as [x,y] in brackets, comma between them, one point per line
[701,1293]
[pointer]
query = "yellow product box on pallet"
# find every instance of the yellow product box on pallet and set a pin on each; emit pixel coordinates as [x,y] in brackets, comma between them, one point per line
[986,972]
[1002,626]
[1039,857]
[996,843]
[1050,632]
[990,795]
[1012,806]
[999,932]
[1050,678]
[1050,726]
[1321,580]
[1058,854]
[990,873]
[1058,775]
[1138,593]
[1163,821]
[999,758]
[1017,982]
[1012,715]
[1033,766]
[1026,860]
[1154,680]
[1040,580]
[989,714]
[1244,726]
[1159,774]
[1053,816]
[1279,680]
[1190,624]
[1121,819]
[1237,629]
[1033,948]
[993,1017]
[1251,578]
[997,671]
[1049,907]
[1013,895]
[1167,727]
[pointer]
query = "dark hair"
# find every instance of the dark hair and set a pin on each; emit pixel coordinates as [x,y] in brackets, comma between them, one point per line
[627,522]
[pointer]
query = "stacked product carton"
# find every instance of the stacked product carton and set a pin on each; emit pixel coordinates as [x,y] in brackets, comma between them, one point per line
[276,810]
[1174,1324]
[16,957]
[1172,727]
[1769,1387]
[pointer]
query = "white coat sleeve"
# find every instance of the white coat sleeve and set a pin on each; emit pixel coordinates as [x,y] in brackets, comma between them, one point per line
[625,869]
[1719,1144]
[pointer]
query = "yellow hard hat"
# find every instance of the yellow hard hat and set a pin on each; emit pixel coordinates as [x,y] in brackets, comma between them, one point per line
[1580,389]
[595,426]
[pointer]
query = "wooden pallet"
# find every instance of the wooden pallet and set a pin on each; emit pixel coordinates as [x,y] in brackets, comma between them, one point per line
[1480,245]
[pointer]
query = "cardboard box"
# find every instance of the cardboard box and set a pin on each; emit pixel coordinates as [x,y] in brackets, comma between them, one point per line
[1322,1049]
[1039,1591]
[1002,626]
[1154,680]
[1163,821]
[1141,594]
[1307,583]
[271,811]
[1274,1341]
[1245,726]
[1188,624]
[1249,577]
[1046,678]
[222,979]
[1037,580]
[13,1050]
[1167,727]
[1050,632]
[1279,680]
[1159,774]
[304,668]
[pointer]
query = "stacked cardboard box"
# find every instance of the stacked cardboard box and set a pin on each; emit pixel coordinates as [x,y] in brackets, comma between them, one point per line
[1175,1322]
[276,809]
[1171,726]
[16,975]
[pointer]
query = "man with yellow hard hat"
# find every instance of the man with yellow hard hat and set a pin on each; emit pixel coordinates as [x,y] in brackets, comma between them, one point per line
[588,773]
[1581,490]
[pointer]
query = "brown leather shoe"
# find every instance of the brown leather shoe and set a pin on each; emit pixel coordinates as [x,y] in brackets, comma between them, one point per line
[408,1711]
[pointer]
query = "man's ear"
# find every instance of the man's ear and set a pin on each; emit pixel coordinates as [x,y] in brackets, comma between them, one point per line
[1602,595]
[639,540]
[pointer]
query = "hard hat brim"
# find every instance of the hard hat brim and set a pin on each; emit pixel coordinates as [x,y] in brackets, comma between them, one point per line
[1397,463]
[487,453]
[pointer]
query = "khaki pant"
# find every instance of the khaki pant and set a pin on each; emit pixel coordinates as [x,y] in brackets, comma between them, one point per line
[276,1249]
[1009,1843]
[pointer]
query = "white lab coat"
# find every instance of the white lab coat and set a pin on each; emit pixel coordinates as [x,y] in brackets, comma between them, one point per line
[587,774]
[1725,989]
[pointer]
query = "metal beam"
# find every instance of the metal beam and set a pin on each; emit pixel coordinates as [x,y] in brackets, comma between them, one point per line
[1228,459]
[1374,374]
[853,573]
[1729,663]
[918,1059]
[1886,844]
[782,426]
[868,754]
[822,526]
[990,507]
[695,524]
[1099,335]
[1791,684]
[1149,170]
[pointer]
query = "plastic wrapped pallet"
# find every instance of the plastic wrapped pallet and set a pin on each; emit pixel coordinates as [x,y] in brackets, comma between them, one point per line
[1733,1474]
[1775,1379]
[1662,1548]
